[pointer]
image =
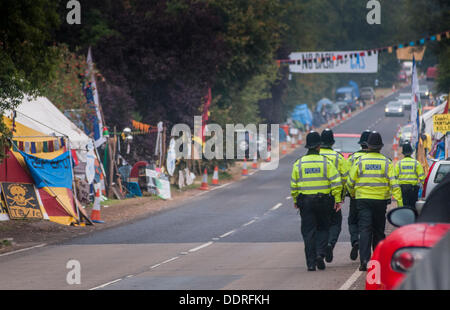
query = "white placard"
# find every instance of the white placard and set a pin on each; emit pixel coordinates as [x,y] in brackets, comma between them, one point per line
[360,62]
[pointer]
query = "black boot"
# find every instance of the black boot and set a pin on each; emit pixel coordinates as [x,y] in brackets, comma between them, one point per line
[363,266]
[320,263]
[354,251]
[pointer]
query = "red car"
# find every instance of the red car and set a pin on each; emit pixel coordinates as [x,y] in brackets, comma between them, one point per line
[346,143]
[402,76]
[407,245]
[432,73]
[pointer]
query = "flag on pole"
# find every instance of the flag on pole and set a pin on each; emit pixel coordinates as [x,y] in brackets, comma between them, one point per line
[415,107]
[93,100]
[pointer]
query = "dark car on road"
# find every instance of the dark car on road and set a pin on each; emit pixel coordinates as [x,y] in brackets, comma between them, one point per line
[367,94]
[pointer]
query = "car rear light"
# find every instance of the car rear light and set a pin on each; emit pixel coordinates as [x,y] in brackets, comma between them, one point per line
[404,259]
[424,189]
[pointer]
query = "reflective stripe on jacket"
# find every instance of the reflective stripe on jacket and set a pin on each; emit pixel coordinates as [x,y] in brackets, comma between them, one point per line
[409,171]
[314,174]
[351,161]
[338,160]
[373,177]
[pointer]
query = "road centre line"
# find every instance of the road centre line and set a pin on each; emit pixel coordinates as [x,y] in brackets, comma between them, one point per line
[200,247]
[228,233]
[106,284]
[288,197]
[350,281]
[276,206]
[248,223]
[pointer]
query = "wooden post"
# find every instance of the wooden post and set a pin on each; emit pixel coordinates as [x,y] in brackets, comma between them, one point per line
[112,154]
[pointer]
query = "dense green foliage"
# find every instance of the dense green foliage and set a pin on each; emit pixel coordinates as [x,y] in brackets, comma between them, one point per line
[158,58]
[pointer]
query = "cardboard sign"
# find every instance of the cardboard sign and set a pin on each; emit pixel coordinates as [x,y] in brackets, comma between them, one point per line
[441,123]
[21,201]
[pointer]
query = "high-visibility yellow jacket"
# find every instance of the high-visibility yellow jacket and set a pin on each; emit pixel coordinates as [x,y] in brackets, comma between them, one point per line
[314,174]
[352,159]
[409,171]
[338,160]
[373,177]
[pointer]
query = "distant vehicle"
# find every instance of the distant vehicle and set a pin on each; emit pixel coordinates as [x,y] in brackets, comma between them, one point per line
[436,173]
[402,77]
[332,110]
[424,92]
[432,73]
[406,100]
[367,93]
[405,134]
[394,108]
[343,106]
[407,67]
[346,143]
[349,95]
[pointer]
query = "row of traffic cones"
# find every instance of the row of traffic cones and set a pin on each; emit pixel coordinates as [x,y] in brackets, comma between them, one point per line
[215,179]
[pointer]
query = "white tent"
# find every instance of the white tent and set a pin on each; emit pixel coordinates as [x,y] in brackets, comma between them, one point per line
[40,114]
[427,118]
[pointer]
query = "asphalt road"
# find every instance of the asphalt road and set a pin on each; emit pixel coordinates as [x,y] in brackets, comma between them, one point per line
[245,235]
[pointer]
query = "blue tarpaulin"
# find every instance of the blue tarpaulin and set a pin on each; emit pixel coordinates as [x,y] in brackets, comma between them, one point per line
[282,135]
[302,114]
[55,172]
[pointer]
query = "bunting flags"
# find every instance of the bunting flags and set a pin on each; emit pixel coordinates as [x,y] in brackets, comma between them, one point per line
[31,147]
[144,128]
[341,57]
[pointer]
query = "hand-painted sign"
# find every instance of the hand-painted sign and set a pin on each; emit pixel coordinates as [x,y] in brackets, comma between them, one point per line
[334,62]
[55,172]
[21,201]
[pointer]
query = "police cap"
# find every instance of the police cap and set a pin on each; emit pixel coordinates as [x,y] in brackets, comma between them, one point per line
[375,141]
[364,137]
[312,140]
[327,137]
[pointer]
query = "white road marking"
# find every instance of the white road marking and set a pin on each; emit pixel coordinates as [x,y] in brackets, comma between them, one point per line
[351,280]
[106,284]
[200,247]
[170,260]
[26,249]
[288,197]
[228,233]
[155,266]
[276,207]
[215,239]
[251,222]
[184,253]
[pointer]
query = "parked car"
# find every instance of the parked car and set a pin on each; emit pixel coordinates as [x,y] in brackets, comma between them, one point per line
[398,253]
[394,108]
[367,94]
[346,143]
[344,106]
[349,95]
[436,173]
[424,92]
[406,100]
[405,134]
[402,76]
[332,110]
[432,73]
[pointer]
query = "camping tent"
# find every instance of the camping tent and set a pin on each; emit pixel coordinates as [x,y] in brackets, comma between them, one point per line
[56,201]
[302,114]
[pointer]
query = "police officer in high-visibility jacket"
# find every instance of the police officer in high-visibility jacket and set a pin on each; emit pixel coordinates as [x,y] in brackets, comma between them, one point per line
[410,175]
[316,189]
[340,163]
[372,180]
[353,211]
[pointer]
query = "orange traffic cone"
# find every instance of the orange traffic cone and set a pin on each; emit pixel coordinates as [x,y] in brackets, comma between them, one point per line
[293,142]
[204,185]
[215,179]
[283,148]
[255,162]
[244,168]
[395,156]
[95,215]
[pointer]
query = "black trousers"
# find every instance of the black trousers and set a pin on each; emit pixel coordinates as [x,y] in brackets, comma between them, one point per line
[335,226]
[371,225]
[315,224]
[353,222]
[409,195]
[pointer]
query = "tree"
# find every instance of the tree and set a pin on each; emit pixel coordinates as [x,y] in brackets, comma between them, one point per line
[26,56]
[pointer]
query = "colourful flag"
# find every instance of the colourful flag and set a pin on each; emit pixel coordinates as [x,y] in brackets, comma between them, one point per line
[415,107]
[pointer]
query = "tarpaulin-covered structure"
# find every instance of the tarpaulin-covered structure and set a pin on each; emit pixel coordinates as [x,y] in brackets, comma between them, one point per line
[57,201]
[302,114]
